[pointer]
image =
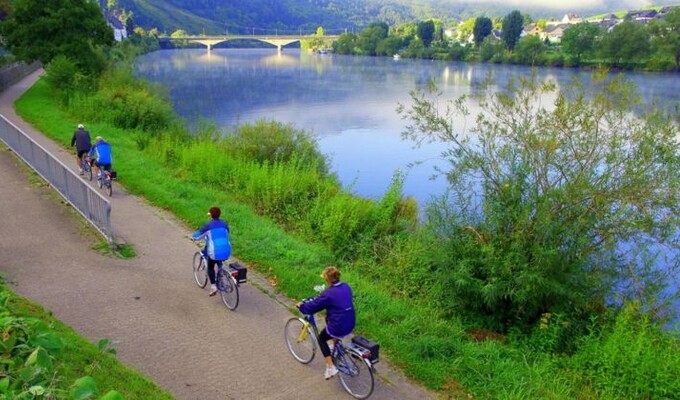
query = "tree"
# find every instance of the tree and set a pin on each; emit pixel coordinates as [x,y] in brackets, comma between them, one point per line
[426,32]
[42,29]
[491,50]
[579,40]
[626,43]
[482,29]
[556,197]
[666,35]
[370,37]
[513,24]
[465,29]
[529,49]
[345,43]
[389,46]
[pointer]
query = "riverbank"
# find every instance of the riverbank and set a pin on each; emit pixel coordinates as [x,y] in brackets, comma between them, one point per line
[149,306]
[436,349]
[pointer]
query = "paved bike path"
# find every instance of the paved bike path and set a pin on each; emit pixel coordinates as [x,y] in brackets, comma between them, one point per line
[159,321]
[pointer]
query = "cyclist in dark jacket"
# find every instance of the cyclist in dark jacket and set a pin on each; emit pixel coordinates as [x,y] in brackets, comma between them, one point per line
[340,316]
[81,138]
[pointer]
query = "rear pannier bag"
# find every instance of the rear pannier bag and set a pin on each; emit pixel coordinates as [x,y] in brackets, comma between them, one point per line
[361,342]
[242,271]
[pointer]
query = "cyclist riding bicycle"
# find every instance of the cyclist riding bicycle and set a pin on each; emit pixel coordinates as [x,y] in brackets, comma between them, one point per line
[83,143]
[340,316]
[101,154]
[217,247]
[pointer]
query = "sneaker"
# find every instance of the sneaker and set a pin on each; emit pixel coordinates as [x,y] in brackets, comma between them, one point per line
[81,171]
[213,290]
[330,372]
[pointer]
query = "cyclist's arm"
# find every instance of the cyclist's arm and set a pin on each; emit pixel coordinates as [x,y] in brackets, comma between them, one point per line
[73,140]
[201,233]
[315,305]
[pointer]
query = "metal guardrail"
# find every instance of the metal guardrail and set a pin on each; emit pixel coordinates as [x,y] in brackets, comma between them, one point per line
[83,197]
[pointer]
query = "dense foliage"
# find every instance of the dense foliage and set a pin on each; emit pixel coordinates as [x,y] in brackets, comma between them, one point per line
[554,202]
[44,29]
[513,24]
[482,29]
[410,313]
[627,45]
[31,358]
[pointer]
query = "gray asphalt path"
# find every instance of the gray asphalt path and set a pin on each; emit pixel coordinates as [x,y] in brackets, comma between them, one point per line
[159,321]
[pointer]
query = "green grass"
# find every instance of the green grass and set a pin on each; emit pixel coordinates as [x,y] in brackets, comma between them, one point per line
[79,358]
[434,349]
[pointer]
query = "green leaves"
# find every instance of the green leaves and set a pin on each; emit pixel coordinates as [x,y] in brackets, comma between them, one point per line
[564,184]
[28,350]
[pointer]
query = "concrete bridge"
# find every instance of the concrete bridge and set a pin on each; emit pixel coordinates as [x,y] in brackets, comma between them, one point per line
[277,40]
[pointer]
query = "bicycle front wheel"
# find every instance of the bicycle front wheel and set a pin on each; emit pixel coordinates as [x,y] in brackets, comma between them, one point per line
[228,290]
[300,339]
[200,273]
[109,186]
[356,374]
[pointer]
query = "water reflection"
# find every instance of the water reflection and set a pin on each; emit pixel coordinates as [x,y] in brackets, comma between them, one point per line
[347,102]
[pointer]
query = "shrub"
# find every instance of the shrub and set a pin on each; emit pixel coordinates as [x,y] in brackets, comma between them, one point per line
[633,359]
[271,141]
[548,201]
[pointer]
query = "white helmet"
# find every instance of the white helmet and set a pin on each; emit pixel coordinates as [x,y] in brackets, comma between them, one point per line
[81,126]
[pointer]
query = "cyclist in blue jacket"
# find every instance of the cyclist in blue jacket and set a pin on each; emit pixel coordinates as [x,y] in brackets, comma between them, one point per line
[101,155]
[340,316]
[217,247]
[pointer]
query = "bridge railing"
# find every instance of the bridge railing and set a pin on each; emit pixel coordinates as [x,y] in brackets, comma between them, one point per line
[83,197]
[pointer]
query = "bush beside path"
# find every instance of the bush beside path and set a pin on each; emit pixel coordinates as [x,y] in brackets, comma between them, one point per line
[157,319]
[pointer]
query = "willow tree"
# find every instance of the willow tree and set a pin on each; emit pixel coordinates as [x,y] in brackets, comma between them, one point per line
[556,198]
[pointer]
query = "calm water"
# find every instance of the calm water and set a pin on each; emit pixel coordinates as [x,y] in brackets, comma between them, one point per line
[348,103]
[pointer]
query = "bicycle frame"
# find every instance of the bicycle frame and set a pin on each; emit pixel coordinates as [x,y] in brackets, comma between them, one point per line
[221,270]
[339,349]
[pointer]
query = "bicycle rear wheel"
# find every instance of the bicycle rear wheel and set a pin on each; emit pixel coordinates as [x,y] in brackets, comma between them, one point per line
[87,169]
[200,273]
[228,290]
[301,342]
[356,374]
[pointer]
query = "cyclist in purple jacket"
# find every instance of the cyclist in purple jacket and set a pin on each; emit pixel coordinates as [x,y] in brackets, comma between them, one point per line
[340,316]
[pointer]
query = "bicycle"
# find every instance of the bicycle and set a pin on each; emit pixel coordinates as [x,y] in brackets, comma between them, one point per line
[106,181]
[225,280]
[86,165]
[354,362]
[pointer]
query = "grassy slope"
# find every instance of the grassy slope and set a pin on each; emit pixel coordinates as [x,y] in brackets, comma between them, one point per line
[435,351]
[80,357]
[292,264]
[170,18]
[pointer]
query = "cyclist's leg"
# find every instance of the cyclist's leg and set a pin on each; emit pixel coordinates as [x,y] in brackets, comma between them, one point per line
[95,164]
[211,276]
[324,337]
[79,155]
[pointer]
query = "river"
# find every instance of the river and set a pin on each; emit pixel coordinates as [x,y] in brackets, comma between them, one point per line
[347,103]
